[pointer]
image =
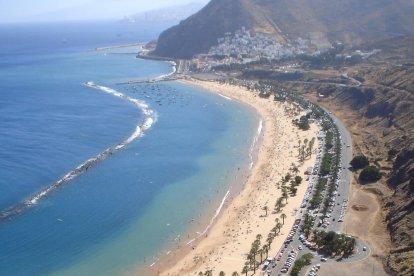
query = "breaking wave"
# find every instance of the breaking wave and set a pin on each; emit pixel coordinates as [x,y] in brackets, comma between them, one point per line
[149,120]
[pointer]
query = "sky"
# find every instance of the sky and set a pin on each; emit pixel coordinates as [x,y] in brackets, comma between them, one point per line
[58,10]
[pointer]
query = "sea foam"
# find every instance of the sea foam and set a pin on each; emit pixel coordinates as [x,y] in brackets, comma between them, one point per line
[149,120]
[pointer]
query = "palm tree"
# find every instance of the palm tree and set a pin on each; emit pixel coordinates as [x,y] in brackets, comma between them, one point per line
[250,258]
[350,246]
[316,237]
[266,250]
[208,273]
[245,270]
[255,247]
[235,274]
[285,195]
[222,273]
[260,251]
[279,225]
[302,151]
[283,216]
[252,255]
[310,147]
[253,262]
[259,237]
[277,220]
[271,237]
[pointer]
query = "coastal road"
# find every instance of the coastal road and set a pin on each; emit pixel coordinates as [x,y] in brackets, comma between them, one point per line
[345,175]
[359,255]
[341,205]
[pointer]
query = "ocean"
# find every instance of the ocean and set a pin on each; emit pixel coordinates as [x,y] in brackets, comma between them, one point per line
[143,166]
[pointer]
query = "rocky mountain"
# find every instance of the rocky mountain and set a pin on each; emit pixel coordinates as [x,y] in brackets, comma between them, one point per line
[384,105]
[349,21]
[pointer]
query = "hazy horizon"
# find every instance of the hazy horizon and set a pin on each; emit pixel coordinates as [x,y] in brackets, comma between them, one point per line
[49,10]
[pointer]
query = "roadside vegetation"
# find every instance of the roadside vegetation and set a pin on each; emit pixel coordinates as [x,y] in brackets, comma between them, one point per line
[329,140]
[300,263]
[326,164]
[302,123]
[333,243]
[359,162]
[317,196]
[369,172]
[307,225]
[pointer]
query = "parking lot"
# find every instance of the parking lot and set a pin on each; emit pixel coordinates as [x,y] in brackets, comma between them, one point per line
[330,219]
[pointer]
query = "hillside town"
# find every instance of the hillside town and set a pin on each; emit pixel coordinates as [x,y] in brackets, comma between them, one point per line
[245,46]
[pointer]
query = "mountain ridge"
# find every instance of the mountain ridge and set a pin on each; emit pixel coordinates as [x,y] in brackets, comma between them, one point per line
[351,21]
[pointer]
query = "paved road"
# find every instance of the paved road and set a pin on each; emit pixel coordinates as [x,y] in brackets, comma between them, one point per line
[345,174]
[340,206]
[359,255]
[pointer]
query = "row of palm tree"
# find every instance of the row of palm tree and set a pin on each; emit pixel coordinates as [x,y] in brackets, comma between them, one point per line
[210,273]
[256,248]
[305,150]
[307,225]
[294,183]
[335,167]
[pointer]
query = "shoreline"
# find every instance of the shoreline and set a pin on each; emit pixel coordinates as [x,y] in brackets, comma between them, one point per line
[200,229]
[224,246]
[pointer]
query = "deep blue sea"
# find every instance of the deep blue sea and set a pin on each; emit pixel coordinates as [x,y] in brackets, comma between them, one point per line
[124,213]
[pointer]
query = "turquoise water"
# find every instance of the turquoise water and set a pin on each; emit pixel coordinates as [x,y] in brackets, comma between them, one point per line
[124,213]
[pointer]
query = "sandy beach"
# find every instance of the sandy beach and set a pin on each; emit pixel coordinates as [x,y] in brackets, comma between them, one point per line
[228,242]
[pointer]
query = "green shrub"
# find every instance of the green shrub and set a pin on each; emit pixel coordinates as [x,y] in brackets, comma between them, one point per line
[303,123]
[359,162]
[370,173]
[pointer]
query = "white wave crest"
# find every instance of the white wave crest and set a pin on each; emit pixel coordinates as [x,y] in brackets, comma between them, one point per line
[216,214]
[227,98]
[150,119]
